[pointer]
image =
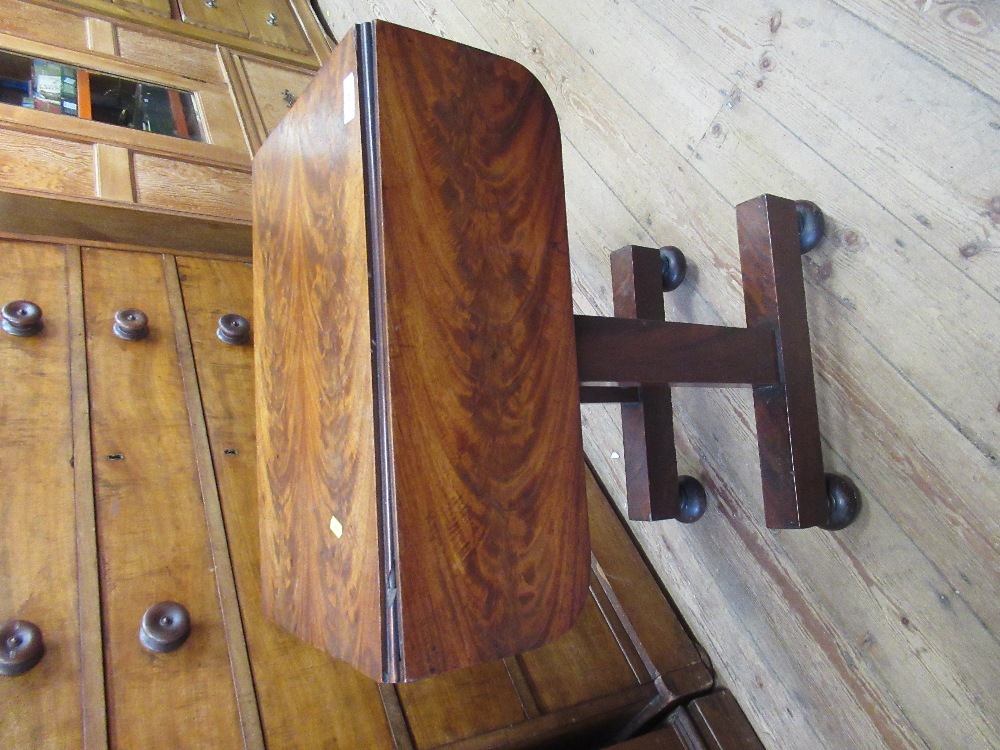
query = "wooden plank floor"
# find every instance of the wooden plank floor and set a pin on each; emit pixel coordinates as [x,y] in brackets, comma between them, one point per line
[888,115]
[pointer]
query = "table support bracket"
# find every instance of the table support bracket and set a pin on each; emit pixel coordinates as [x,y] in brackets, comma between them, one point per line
[642,356]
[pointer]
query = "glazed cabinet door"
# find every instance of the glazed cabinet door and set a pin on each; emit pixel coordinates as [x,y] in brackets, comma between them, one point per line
[153,528]
[39,708]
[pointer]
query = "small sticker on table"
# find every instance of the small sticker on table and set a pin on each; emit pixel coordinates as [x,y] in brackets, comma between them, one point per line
[336,527]
[350,99]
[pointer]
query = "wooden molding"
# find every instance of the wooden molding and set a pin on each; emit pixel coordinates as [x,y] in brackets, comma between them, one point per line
[51,219]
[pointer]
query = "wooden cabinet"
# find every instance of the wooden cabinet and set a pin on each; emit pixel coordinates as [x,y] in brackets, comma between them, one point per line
[145,453]
[152,529]
[267,90]
[238,98]
[129,469]
[38,567]
[273,22]
[158,7]
[280,29]
[221,15]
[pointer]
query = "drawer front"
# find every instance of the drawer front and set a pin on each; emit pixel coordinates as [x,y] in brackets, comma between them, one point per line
[52,165]
[274,23]
[196,188]
[156,7]
[151,523]
[306,698]
[42,24]
[38,568]
[200,63]
[458,705]
[584,664]
[273,90]
[221,15]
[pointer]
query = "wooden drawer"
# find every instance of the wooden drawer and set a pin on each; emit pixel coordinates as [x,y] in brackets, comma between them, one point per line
[221,15]
[38,565]
[151,525]
[42,24]
[268,27]
[195,188]
[306,699]
[171,437]
[201,62]
[267,91]
[44,163]
[599,676]
[274,23]
[269,21]
[156,7]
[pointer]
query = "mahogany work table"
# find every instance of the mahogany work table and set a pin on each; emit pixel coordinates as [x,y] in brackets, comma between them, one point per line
[420,440]
[419,436]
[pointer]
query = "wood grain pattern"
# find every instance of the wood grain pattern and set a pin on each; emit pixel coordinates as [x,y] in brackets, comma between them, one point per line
[584,663]
[201,62]
[648,423]
[196,188]
[284,31]
[788,437]
[124,226]
[896,408]
[267,83]
[591,724]
[962,36]
[631,635]
[93,695]
[113,173]
[897,151]
[101,36]
[648,351]
[42,24]
[940,196]
[37,162]
[493,543]
[129,16]
[221,124]
[224,15]
[658,632]
[38,564]
[152,533]
[222,565]
[157,7]
[307,699]
[722,723]
[315,402]
[460,704]
[46,124]
[91,61]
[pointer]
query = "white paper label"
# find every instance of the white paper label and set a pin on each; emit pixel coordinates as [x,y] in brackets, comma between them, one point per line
[350,99]
[336,527]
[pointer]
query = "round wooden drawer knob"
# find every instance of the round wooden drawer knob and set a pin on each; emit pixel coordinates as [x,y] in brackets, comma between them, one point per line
[233,329]
[131,324]
[21,647]
[165,627]
[21,318]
